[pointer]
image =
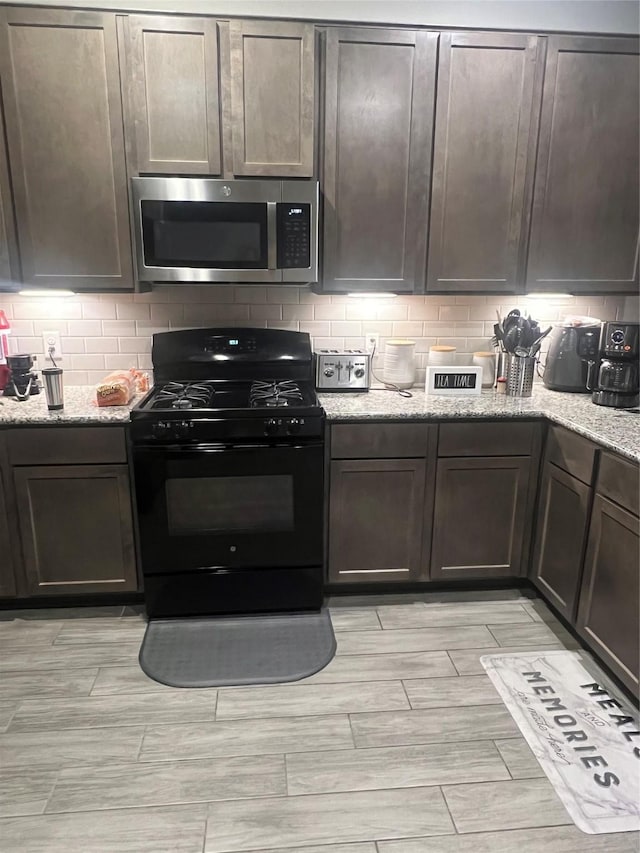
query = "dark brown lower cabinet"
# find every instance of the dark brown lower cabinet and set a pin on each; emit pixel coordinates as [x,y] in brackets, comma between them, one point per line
[76,529]
[561,532]
[376,511]
[608,612]
[7,580]
[481,517]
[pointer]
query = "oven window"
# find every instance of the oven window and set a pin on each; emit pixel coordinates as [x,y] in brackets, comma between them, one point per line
[211,234]
[224,504]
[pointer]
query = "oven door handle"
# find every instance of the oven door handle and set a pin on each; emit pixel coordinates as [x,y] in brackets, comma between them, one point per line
[188,450]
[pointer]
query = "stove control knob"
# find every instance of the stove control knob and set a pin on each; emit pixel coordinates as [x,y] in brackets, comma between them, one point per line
[328,371]
[160,430]
[271,426]
[183,429]
[359,372]
[293,426]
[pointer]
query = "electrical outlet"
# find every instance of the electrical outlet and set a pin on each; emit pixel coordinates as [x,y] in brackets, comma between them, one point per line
[371,341]
[52,346]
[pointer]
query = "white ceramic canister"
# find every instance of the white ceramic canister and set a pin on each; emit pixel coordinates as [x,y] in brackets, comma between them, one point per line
[487,361]
[442,356]
[399,367]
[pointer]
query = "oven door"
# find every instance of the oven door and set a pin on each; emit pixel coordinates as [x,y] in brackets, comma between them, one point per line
[201,230]
[211,506]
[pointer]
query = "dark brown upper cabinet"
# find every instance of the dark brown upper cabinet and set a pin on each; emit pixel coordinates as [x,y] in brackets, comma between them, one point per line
[8,247]
[63,111]
[171,80]
[272,88]
[378,105]
[482,174]
[584,235]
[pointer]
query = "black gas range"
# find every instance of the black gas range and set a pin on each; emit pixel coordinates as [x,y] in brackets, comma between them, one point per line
[228,461]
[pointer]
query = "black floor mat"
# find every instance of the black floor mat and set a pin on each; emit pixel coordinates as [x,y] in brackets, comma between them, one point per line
[224,651]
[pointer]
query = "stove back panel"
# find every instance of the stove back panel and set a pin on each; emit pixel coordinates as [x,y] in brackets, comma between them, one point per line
[231,354]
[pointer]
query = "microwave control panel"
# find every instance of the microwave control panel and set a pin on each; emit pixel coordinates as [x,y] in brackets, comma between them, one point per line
[294,235]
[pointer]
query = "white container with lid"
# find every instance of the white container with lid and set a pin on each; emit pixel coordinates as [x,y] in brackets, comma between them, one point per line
[399,369]
[487,361]
[442,356]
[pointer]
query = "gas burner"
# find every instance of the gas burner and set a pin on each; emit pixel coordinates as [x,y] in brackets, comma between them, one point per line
[275,394]
[178,395]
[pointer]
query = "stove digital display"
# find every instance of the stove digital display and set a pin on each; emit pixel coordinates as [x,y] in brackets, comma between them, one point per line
[220,345]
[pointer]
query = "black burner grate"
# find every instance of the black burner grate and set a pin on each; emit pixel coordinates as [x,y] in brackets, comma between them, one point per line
[179,395]
[274,394]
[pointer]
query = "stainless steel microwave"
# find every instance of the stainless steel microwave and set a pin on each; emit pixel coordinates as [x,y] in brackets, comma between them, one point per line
[204,230]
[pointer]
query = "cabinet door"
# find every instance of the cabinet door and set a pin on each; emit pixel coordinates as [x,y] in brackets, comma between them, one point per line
[481,512]
[8,247]
[272,98]
[481,182]
[172,71]
[608,610]
[76,528]
[585,218]
[375,520]
[7,580]
[63,112]
[563,520]
[379,95]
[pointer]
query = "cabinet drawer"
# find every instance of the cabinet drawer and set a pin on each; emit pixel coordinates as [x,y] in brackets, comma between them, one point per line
[572,453]
[66,445]
[379,441]
[618,480]
[486,439]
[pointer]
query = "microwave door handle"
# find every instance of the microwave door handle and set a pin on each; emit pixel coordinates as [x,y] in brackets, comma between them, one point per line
[272,235]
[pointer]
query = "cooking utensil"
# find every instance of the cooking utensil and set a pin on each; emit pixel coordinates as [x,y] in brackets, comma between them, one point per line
[522,352]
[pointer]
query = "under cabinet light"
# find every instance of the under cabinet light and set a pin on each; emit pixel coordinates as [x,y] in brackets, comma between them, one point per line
[368,295]
[542,295]
[46,294]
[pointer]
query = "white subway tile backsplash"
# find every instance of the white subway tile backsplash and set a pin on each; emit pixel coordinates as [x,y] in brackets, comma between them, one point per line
[297,312]
[329,311]
[113,331]
[102,345]
[283,294]
[133,311]
[73,345]
[342,328]
[407,329]
[96,310]
[316,328]
[85,328]
[251,294]
[119,361]
[265,312]
[454,313]
[87,362]
[135,345]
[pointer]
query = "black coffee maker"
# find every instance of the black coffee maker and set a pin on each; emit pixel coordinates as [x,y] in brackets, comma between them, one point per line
[23,381]
[614,378]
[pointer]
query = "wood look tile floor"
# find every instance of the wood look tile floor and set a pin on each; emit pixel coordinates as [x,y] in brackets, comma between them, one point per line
[400,745]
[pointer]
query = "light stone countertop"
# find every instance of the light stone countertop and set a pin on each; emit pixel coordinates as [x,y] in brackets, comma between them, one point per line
[614,429]
[79,408]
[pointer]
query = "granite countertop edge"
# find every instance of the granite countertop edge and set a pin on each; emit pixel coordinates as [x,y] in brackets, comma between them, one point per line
[613,429]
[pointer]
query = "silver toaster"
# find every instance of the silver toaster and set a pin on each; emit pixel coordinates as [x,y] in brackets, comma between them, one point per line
[342,370]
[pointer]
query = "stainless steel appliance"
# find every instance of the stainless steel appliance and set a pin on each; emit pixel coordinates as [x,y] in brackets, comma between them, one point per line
[228,453]
[572,345]
[23,380]
[204,229]
[614,376]
[342,370]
